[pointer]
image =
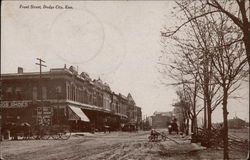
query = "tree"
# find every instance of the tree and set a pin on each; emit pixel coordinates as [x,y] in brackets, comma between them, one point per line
[229,62]
[192,62]
[223,52]
[235,10]
[187,108]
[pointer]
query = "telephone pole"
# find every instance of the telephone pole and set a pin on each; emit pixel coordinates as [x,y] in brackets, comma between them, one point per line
[40,83]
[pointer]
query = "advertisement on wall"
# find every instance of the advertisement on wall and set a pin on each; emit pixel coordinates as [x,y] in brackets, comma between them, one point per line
[44,115]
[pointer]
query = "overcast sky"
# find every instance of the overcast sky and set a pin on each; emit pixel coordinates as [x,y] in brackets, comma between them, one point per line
[116,41]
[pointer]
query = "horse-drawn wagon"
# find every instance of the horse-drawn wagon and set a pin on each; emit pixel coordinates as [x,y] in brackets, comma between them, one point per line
[48,124]
[157,136]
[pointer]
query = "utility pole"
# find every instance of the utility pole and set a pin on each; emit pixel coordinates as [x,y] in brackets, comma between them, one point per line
[40,82]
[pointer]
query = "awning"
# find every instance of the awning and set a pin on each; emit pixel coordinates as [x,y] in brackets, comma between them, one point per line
[79,114]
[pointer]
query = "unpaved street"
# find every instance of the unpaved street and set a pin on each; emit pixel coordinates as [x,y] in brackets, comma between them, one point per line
[99,146]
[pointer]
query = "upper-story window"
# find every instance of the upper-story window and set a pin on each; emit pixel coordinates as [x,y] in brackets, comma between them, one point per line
[18,93]
[34,93]
[85,96]
[59,89]
[72,92]
[44,92]
[58,92]
[9,93]
[68,92]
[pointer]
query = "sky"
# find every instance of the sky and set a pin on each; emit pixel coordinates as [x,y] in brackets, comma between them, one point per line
[116,41]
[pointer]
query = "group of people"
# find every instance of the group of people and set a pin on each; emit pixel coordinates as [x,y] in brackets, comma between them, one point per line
[173,127]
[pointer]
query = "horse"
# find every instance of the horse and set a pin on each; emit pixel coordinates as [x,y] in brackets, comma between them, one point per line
[106,129]
[17,128]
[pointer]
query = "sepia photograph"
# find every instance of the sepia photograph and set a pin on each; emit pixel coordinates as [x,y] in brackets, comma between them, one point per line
[124,80]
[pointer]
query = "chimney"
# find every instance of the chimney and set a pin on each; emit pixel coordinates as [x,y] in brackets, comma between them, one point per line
[20,70]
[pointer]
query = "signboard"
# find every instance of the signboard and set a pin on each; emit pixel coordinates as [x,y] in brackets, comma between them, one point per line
[44,115]
[14,104]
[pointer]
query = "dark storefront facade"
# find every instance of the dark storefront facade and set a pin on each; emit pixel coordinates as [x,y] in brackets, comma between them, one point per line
[61,96]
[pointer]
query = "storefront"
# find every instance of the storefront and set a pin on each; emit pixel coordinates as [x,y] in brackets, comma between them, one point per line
[79,117]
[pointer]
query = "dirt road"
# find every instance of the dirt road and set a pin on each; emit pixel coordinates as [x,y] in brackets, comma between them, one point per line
[101,146]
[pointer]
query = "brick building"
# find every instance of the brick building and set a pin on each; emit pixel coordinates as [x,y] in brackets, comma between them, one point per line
[161,119]
[62,95]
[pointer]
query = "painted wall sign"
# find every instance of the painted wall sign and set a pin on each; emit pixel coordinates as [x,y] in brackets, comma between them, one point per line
[14,104]
[44,115]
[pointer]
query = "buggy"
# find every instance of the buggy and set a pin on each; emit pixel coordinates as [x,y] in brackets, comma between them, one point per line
[157,136]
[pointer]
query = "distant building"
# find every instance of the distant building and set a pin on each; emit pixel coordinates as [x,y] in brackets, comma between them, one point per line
[161,119]
[236,123]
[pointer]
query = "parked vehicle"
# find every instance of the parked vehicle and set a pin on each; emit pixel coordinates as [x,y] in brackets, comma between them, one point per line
[55,132]
[129,127]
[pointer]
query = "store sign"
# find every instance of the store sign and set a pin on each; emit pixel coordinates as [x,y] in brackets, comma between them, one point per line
[13,104]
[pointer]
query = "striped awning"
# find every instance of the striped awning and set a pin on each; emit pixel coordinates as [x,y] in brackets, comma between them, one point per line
[78,114]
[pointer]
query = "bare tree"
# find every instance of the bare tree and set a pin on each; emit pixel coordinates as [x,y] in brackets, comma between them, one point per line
[236,10]
[192,61]
[187,105]
[215,50]
[229,62]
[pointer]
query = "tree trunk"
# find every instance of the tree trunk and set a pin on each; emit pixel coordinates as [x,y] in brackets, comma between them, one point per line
[195,124]
[192,125]
[225,129]
[245,29]
[194,119]
[246,42]
[205,113]
[187,127]
[209,120]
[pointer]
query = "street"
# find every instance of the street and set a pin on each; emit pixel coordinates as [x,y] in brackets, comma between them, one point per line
[111,146]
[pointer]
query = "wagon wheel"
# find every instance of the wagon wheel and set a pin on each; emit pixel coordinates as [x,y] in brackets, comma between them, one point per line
[155,138]
[163,138]
[55,135]
[45,134]
[34,133]
[150,138]
[64,134]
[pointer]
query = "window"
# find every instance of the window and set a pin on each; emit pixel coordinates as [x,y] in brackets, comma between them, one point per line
[68,92]
[59,89]
[85,96]
[34,93]
[44,92]
[72,92]
[18,93]
[9,93]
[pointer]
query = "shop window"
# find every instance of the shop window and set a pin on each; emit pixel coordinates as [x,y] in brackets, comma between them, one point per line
[59,115]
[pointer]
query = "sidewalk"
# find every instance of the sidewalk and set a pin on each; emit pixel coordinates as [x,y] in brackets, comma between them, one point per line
[87,133]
